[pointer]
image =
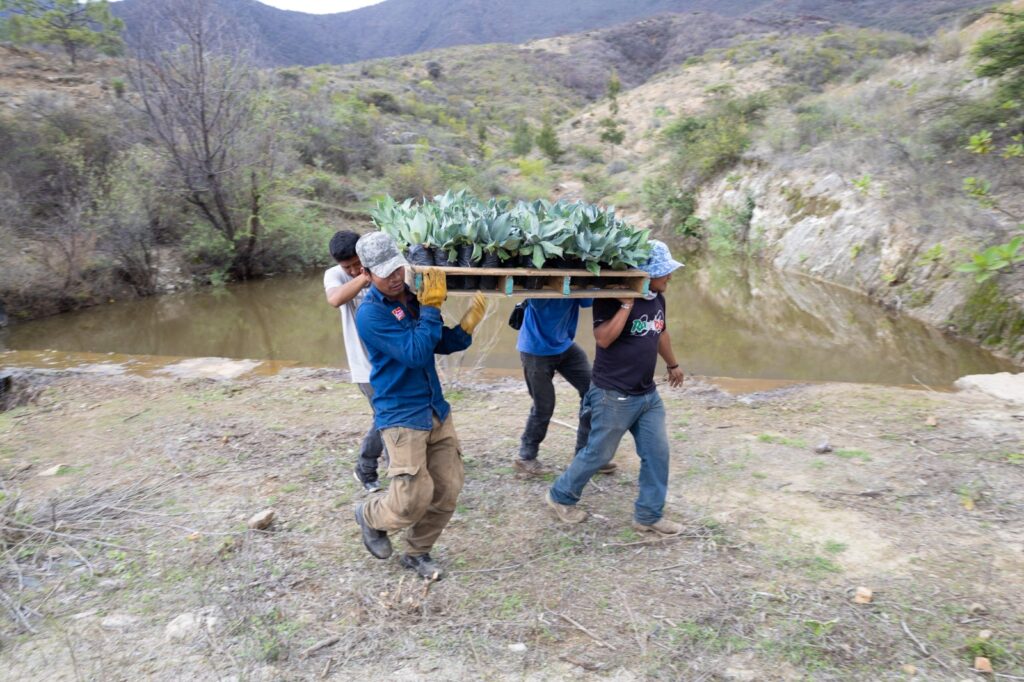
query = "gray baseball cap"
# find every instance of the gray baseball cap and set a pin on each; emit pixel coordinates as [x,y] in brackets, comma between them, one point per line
[379,254]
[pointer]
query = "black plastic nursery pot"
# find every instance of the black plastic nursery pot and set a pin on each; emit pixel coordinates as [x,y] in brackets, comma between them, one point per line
[466,261]
[530,283]
[489,282]
[441,261]
[420,254]
[566,263]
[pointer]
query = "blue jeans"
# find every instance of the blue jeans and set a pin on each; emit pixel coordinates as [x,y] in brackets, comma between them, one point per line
[611,415]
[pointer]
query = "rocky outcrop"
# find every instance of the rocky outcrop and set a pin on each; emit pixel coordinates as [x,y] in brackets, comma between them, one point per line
[822,226]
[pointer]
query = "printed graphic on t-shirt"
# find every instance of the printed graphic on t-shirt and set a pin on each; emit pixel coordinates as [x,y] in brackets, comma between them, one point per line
[642,326]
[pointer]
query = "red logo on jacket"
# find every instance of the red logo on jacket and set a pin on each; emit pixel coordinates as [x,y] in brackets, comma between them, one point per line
[399,314]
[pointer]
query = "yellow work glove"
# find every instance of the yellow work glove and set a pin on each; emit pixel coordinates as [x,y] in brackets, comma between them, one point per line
[475,313]
[435,288]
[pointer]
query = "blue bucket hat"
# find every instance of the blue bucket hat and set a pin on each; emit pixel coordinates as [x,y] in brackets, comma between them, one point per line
[660,262]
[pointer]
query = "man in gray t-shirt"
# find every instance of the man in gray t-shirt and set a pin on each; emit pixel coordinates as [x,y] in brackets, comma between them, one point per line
[345,286]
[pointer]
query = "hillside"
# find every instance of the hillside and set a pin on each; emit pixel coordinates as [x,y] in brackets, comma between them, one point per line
[398,27]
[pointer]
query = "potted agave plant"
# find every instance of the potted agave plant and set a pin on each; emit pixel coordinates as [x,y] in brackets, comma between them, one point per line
[501,242]
[470,251]
[542,237]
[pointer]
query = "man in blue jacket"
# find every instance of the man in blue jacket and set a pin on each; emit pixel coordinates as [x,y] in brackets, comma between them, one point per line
[401,335]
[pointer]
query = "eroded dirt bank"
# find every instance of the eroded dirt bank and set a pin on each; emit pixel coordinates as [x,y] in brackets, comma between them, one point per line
[126,553]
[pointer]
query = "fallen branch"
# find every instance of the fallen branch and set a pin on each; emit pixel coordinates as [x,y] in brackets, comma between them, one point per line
[36,529]
[921,383]
[584,630]
[655,541]
[510,567]
[322,644]
[923,649]
[565,424]
[632,619]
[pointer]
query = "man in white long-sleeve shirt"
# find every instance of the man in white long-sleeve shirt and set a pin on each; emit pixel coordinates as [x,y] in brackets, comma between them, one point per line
[345,285]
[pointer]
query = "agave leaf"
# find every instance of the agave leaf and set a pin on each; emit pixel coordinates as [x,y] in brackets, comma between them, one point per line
[538,256]
[550,249]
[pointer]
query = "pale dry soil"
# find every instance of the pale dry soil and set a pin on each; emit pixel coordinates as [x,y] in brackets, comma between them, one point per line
[921,500]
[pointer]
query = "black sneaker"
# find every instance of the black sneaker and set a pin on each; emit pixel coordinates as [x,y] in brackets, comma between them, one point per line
[423,564]
[376,541]
[368,486]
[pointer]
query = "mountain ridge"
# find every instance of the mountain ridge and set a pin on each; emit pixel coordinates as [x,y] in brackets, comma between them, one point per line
[401,27]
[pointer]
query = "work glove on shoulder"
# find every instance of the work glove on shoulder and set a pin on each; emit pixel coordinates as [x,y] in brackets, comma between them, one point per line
[435,288]
[476,312]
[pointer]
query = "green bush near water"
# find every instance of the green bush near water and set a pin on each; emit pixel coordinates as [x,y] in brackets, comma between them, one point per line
[702,147]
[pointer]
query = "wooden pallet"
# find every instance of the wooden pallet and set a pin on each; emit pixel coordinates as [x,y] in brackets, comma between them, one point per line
[555,283]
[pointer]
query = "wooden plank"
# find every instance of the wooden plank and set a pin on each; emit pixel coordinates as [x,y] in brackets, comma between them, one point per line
[548,293]
[556,283]
[532,272]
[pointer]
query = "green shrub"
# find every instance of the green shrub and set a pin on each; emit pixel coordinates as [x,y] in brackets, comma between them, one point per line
[522,139]
[668,203]
[383,101]
[341,134]
[547,141]
[588,153]
[414,180]
[705,145]
[532,168]
[728,230]
[294,239]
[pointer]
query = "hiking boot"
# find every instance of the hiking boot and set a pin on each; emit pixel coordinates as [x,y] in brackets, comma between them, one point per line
[566,513]
[368,486]
[608,468]
[530,467]
[423,564]
[661,527]
[375,541]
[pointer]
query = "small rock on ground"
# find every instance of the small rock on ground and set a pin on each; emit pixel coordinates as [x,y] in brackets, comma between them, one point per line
[119,621]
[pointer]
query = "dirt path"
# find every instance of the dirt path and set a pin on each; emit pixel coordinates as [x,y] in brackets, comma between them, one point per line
[134,560]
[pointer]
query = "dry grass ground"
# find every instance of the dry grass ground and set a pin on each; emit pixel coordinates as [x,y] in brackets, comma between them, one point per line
[921,500]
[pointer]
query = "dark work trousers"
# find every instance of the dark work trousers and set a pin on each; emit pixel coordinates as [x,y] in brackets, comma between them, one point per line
[372,446]
[539,371]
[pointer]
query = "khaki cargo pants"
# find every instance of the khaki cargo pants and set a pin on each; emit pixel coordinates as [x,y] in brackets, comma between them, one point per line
[426,477]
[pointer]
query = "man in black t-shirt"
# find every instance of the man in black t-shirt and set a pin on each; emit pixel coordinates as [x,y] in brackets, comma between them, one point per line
[630,335]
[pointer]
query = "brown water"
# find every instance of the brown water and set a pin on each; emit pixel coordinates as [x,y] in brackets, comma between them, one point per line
[725,319]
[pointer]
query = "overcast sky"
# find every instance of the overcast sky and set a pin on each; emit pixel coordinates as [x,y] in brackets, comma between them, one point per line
[320,6]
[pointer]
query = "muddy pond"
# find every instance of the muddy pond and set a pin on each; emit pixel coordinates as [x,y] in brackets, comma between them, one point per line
[726,320]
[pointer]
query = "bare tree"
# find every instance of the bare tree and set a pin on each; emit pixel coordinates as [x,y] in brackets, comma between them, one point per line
[201,96]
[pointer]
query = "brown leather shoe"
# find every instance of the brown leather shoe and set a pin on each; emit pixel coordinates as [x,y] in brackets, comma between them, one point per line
[661,527]
[566,513]
[530,467]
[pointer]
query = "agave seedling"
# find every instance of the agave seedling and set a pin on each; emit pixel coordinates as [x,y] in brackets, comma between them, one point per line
[391,217]
[542,236]
[501,236]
